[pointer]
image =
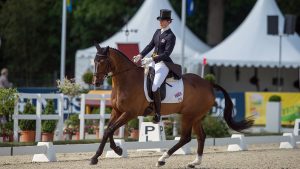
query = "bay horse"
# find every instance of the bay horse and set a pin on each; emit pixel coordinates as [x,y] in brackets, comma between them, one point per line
[129,101]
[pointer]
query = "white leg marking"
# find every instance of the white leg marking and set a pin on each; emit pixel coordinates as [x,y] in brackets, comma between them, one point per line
[164,157]
[161,160]
[197,161]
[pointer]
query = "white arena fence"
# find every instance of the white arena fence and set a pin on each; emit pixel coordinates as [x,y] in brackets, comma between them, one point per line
[60,100]
[38,117]
[79,148]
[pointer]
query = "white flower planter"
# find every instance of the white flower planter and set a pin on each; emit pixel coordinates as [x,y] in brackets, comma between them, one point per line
[273,117]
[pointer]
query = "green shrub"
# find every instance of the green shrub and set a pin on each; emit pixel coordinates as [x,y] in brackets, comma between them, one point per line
[97,110]
[8,98]
[109,80]
[73,121]
[48,126]
[133,124]
[215,127]
[87,77]
[275,98]
[210,77]
[28,124]
[169,129]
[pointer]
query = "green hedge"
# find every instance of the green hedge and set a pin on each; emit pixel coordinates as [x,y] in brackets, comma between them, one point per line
[215,127]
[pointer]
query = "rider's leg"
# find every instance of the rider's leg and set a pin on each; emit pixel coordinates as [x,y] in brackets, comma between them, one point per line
[161,72]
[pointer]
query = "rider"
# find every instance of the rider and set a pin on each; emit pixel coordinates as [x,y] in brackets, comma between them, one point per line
[164,41]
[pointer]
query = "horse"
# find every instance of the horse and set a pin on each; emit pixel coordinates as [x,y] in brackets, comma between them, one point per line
[129,101]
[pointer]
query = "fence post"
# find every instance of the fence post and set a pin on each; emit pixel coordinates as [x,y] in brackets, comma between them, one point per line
[38,117]
[60,124]
[16,121]
[102,118]
[141,119]
[81,116]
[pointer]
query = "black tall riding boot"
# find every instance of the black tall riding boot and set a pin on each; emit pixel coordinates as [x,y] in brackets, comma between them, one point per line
[157,102]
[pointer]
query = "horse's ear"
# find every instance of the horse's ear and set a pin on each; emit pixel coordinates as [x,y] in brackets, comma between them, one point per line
[97,46]
[106,49]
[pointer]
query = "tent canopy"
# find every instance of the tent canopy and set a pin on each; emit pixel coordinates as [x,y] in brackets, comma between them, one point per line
[145,22]
[250,46]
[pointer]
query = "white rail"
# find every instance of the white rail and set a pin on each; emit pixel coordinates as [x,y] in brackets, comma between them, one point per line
[38,116]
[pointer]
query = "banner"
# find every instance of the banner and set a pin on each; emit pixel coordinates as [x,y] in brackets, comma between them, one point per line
[256,103]
[238,103]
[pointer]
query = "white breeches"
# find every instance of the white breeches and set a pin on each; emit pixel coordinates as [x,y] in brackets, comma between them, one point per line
[161,72]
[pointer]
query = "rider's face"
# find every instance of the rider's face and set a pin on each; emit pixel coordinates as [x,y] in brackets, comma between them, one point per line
[164,23]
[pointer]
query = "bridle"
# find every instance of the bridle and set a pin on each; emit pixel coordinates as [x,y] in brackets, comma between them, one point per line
[108,67]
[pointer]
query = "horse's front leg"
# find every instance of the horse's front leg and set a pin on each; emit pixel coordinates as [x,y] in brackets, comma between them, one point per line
[115,114]
[123,119]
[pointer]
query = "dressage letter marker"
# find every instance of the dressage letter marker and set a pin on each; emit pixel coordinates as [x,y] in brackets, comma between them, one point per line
[151,132]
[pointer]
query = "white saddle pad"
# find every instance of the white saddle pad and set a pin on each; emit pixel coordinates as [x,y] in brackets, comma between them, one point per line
[174,94]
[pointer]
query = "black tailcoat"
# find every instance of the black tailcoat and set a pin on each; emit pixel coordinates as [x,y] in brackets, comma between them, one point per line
[163,45]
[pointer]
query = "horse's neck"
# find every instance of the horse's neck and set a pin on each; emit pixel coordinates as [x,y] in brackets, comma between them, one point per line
[125,71]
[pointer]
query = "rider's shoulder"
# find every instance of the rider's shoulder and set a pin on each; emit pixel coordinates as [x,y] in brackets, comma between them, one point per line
[171,34]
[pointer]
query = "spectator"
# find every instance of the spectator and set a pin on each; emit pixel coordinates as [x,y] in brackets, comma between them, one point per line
[4,83]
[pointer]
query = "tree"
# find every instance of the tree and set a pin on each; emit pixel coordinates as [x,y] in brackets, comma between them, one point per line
[30,47]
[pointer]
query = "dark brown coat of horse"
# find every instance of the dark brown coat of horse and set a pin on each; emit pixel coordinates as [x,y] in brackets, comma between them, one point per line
[129,101]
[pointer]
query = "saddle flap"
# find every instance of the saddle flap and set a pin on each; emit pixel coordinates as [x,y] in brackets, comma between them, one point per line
[149,81]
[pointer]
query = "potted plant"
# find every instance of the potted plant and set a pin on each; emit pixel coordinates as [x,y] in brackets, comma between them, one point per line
[72,126]
[273,114]
[8,99]
[27,126]
[133,126]
[7,132]
[71,89]
[48,126]
[211,78]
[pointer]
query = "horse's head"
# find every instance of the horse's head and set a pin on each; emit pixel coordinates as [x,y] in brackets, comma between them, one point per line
[102,65]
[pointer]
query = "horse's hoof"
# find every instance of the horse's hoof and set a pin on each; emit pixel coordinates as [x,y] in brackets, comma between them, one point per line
[94,161]
[118,150]
[160,163]
[191,166]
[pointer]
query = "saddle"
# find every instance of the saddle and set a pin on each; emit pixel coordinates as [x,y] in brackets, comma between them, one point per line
[174,72]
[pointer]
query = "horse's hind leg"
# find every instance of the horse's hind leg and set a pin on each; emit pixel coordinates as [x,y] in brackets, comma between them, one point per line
[198,130]
[186,131]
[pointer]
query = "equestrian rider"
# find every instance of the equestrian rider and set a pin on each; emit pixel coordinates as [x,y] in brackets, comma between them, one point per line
[163,42]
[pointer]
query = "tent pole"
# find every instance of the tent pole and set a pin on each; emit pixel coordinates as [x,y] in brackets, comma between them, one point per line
[279,87]
[63,41]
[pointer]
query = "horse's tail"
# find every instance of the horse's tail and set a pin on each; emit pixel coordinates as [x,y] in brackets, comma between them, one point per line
[228,110]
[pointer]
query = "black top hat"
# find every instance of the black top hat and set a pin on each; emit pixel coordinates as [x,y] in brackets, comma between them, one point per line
[165,14]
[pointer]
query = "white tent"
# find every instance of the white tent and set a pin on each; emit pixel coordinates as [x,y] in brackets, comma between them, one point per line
[146,24]
[250,46]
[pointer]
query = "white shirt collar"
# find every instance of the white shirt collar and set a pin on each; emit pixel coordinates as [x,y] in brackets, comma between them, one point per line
[162,30]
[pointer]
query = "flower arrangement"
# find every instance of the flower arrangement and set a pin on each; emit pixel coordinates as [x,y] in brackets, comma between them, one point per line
[69,87]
